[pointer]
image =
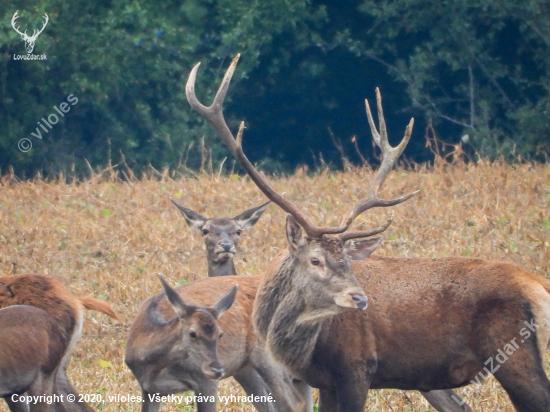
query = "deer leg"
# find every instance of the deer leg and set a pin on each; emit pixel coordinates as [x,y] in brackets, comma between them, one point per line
[207,389]
[527,395]
[286,397]
[253,384]
[525,381]
[446,401]
[64,387]
[278,380]
[305,391]
[351,392]
[328,401]
[43,385]
[17,406]
[148,404]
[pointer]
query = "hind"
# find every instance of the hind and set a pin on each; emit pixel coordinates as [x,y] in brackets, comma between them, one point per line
[49,294]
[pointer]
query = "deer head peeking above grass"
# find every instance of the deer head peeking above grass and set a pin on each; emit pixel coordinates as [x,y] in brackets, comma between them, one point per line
[221,235]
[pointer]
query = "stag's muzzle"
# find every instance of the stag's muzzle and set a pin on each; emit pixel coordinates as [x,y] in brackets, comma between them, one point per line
[353,298]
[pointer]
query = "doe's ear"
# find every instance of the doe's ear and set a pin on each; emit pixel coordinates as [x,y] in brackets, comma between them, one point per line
[181,308]
[225,302]
[361,249]
[293,233]
[193,219]
[249,217]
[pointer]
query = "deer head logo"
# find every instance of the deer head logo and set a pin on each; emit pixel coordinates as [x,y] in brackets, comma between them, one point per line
[29,40]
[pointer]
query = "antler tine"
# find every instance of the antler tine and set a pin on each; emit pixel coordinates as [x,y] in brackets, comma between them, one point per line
[389,157]
[356,235]
[213,114]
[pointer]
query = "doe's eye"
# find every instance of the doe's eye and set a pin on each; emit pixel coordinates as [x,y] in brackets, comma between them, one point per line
[205,231]
[315,261]
[192,334]
[239,232]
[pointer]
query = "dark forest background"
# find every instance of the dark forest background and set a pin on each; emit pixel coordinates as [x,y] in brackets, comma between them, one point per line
[476,72]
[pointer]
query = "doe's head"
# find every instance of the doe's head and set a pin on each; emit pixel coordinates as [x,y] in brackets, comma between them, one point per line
[221,234]
[200,330]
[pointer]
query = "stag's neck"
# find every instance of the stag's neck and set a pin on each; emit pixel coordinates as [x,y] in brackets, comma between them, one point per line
[225,268]
[277,317]
[291,341]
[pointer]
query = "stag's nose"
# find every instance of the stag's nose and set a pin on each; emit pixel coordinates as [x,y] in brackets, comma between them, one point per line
[226,246]
[360,301]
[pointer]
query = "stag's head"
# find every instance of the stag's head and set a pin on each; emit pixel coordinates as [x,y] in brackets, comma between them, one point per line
[221,234]
[320,268]
[29,40]
[200,329]
[318,265]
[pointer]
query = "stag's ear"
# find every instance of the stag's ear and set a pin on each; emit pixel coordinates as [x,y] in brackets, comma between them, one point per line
[193,219]
[249,217]
[361,249]
[225,302]
[293,233]
[181,308]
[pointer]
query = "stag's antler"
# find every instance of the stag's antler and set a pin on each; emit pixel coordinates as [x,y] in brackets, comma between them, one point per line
[214,115]
[389,157]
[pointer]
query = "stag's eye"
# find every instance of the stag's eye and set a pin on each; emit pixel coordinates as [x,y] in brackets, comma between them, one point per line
[221,334]
[193,335]
[239,232]
[205,231]
[315,262]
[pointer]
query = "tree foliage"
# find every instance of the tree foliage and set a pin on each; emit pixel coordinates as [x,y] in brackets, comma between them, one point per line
[127,62]
[469,68]
[482,66]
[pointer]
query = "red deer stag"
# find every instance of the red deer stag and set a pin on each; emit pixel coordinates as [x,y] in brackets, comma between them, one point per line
[433,324]
[221,236]
[157,350]
[31,349]
[48,294]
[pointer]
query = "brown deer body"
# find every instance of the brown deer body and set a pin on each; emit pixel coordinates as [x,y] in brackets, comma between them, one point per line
[31,349]
[435,325]
[431,324]
[159,360]
[221,236]
[48,294]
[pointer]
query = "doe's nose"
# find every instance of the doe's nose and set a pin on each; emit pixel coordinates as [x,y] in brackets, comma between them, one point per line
[226,246]
[217,370]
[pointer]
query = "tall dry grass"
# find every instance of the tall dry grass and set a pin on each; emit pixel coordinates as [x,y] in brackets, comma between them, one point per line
[110,238]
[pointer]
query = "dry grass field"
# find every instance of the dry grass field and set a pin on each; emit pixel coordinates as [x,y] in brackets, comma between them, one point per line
[110,238]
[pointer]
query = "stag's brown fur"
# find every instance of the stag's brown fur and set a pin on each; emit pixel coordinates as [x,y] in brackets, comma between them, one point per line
[31,349]
[431,324]
[49,294]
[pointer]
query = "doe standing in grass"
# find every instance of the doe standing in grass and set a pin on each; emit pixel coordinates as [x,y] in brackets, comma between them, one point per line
[221,235]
